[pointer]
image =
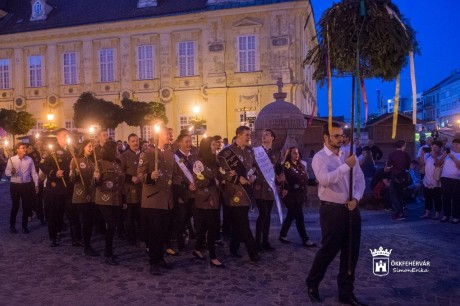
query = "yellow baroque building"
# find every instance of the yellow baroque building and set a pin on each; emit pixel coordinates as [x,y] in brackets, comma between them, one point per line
[222,55]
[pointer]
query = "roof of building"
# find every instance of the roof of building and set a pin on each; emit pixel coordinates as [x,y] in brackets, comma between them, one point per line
[67,13]
[383,117]
[450,79]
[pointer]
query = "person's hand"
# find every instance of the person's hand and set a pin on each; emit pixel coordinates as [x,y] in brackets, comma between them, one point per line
[135,179]
[243,181]
[192,187]
[351,161]
[97,174]
[281,178]
[284,193]
[13,171]
[252,179]
[155,175]
[351,205]
[232,172]
[36,189]
[59,173]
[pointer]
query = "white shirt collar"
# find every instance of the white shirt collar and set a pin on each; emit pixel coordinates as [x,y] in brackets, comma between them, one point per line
[329,152]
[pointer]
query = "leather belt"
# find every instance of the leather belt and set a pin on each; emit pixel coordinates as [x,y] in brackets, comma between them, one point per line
[332,203]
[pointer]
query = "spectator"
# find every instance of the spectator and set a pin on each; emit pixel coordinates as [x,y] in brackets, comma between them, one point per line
[380,186]
[422,136]
[432,184]
[450,182]
[376,152]
[368,167]
[410,193]
[398,163]
[226,144]
[358,147]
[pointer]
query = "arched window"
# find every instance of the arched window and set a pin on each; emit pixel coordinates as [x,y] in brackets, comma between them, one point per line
[37,8]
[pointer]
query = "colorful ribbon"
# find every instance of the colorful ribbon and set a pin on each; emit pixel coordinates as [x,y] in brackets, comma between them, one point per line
[414,88]
[396,108]
[366,106]
[329,83]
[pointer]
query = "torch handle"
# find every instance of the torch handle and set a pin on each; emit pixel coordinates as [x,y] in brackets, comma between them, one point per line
[76,164]
[156,155]
[59,169]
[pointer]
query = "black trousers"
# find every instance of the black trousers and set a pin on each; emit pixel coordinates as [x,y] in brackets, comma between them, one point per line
[155,223]
[433,195]
[451,197]
[263,220]
[54,211]
[87,213]
[110,214]
[335,226]
[133,222]
[73,211]
[294,203]
[241,231]
[207,229]
[38,202]
[23,193]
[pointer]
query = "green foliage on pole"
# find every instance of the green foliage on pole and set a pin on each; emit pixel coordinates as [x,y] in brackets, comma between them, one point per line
[16,123]
[89,110]
[385,40]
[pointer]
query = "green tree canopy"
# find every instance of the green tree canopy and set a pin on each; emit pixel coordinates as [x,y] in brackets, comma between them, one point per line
[89,110]
[385,40]
[138,113]
[16,123]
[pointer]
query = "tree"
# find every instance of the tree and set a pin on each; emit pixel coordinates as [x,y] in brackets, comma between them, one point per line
[90,110]
[138,113]
[16,123]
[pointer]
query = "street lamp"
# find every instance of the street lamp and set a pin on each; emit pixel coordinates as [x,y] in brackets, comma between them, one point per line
[50,116]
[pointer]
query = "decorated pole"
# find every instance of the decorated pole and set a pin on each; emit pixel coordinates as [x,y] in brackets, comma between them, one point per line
[53,154]
[74,159]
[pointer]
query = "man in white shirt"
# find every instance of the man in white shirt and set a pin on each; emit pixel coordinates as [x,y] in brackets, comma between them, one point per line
[337,214]
[21,169]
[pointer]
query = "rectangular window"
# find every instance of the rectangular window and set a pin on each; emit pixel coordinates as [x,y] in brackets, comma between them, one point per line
[145,62]
[69,125]
[147,132]
[70,67]
[5,74]
[106,65]
[247,53]
[186,58]
[35,71]
[111,133]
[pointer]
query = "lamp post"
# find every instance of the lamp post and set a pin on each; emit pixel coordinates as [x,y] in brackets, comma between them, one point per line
[196,111]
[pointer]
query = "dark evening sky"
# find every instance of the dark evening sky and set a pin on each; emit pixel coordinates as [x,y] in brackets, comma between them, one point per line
[437,26]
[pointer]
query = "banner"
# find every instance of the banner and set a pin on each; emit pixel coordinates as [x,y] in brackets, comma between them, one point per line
[266,167]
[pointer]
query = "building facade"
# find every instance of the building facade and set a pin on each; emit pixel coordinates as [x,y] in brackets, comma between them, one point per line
[222,55]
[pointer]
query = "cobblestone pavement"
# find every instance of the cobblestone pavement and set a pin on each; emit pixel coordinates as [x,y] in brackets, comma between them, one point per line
[31,273]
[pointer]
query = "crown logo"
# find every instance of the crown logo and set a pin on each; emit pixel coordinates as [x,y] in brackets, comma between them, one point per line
[381,252]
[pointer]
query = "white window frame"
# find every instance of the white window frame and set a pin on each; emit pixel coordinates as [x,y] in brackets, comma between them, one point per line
[5,73]
[111,134]
[70,68]
[70,126]
[145,62]
[247,46]
[35,71]
[147,132]
[186,57]
[184,123]
[107,65]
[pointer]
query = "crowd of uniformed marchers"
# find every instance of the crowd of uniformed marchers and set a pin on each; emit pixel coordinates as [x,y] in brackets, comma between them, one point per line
[164,197]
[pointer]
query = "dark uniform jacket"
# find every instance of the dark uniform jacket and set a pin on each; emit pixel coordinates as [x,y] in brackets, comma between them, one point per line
[180,180]
[206,194]
[129,162]
[262,190]
[83,193]
[235,194]
[109,187]
[35,155]
[156,193]
[49,168]
[296,182]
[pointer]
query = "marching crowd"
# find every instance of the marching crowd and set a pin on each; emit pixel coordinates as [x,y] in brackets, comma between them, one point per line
[163,196]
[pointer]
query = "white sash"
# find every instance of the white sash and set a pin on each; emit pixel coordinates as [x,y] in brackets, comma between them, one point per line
[266,167]
[184,169]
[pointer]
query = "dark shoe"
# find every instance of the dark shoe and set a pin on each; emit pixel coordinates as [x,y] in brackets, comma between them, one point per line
[267,246]
[398,217]
[89,251]
[444,219]
[77,243]
[352,300]
[235,254]
[213,265]
[53,243]
[255,258]
[313,294]
[13,230]
[309,243]
[198,254]
[284,240]
[110,260]
[155,270]
[163,264]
